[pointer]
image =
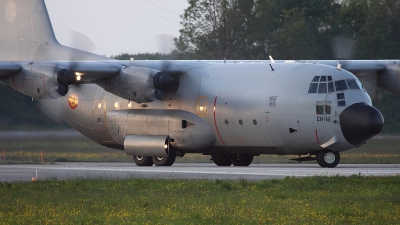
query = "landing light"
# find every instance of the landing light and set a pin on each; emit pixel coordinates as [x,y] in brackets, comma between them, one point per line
[166,146]
[78,78]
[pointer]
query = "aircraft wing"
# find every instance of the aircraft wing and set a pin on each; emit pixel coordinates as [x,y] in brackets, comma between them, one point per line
[355,65]
[89,71]
[9,68]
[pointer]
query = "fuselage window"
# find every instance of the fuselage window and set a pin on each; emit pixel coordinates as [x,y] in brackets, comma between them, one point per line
[315,79]
[340,96]
[328,108]
[331,87]
[341,85]
[313,88]
[341,103]
[322,88]
[320,108]
[352,84]
[324,108]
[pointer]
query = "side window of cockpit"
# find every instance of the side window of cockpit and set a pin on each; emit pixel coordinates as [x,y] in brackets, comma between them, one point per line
[341,85]
[331,88]
[313,88]
[341,100]
[352,84]
[314,85]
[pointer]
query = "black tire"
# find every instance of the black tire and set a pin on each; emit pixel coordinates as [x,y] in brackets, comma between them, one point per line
[328,159]
[143,160]
[221,160]
[241,159]
[165,161]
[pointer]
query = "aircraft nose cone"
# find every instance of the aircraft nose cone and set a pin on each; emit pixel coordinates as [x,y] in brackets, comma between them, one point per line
[360,122]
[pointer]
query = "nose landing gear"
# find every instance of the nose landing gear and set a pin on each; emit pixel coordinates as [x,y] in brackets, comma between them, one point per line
[328,159]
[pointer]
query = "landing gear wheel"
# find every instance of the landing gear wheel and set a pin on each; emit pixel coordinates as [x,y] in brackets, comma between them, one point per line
[165,161]
[328,159]
[241,159]
[221,160]
[143,160]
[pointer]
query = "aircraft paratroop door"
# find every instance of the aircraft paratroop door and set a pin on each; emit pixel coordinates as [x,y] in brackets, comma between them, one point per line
[100,121]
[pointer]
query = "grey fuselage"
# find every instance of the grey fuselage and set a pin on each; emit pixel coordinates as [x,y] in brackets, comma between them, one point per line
[243,108]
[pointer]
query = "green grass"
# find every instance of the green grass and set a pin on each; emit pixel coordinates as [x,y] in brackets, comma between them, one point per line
[316,200]
[80,149]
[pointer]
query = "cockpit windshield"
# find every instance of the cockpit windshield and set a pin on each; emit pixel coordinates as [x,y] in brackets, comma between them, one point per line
[352,84]
[324,84]
[341,85]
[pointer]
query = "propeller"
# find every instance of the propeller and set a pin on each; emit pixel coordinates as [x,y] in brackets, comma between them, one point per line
[66,76]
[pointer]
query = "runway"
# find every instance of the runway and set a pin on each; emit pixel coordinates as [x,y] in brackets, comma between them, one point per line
[64,171]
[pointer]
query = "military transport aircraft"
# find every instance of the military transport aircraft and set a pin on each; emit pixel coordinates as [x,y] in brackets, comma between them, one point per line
[157,110]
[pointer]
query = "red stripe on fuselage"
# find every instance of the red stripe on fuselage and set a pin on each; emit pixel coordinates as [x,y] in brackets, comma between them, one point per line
[215,120]
[316,136]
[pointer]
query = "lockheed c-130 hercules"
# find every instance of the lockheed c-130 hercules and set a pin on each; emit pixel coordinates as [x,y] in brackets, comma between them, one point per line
[157,110]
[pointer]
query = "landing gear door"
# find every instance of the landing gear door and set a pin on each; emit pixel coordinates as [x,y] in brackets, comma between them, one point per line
[100,121]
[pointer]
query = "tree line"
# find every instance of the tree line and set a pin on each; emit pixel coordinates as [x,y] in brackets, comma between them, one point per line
[290,29]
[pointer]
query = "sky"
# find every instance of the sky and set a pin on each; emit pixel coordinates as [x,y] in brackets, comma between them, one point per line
[112,27]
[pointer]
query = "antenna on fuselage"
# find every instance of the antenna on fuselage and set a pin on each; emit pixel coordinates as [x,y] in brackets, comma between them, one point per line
[272,62]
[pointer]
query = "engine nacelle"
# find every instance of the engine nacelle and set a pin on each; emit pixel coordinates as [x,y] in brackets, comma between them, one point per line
[390,79]
[44,81]
[139,84]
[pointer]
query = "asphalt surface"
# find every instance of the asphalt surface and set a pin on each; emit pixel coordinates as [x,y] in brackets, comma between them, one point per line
[64,171]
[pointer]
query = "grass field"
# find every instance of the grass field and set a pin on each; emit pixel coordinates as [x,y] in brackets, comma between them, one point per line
[27,150]
[317,200]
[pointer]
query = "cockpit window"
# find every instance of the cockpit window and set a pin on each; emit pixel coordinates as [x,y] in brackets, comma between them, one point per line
[322,88]
[341,85]
[329,78]
[313,88]
[316,79]
[323,79]
[352,84]
[331,88]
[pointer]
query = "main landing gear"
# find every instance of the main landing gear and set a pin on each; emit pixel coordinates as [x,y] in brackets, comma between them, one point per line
[235,159]
[328,159]
[158,161]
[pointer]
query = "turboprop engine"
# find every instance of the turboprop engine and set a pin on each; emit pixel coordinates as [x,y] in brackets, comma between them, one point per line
[390,78]
[45,81]
[139,84]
